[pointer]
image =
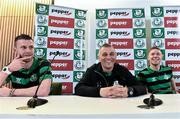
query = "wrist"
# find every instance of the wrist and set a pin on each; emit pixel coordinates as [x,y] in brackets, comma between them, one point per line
[11,93]
[6,70]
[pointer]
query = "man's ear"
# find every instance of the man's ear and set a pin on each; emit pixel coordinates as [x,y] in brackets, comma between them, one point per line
[162,56]
[115,54]
[98,56]
[14,52]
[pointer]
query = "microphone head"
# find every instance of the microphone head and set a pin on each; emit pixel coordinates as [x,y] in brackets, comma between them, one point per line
[57,53]
[33,102]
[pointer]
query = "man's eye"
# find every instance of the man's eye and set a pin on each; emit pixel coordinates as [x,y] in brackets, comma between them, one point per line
[104,55]
[23,47]
[112,54]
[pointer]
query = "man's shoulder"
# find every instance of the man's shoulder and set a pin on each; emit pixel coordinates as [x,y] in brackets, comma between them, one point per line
[41,60]
[144,71]
[166,68]
[116,65]
[94,66]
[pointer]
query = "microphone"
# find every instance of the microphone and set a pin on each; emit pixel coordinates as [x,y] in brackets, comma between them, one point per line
[35,101]
[152,101]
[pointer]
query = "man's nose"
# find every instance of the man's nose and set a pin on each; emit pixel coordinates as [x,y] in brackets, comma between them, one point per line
[28,50]
[108,56]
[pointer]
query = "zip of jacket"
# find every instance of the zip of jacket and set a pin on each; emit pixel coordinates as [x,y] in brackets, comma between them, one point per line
[102,77]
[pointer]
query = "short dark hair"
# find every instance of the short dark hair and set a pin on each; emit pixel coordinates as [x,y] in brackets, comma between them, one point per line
[106,45]
[23,36]
[152,48]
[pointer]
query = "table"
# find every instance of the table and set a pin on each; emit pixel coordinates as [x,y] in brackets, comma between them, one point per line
[71,106]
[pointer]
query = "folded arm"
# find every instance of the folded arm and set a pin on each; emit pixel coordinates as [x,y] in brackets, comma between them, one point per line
[43,90]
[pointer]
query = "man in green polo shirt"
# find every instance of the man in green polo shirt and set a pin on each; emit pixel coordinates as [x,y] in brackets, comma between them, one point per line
[25,71]
[157,78]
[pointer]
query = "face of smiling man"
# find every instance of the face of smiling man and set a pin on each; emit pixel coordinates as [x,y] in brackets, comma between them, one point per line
[107,57]
[25,48]
[155,57]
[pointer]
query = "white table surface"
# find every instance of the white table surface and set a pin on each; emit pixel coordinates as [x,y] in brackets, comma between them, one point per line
[86,107]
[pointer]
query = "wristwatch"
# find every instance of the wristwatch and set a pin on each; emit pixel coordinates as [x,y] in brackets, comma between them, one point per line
[6,70]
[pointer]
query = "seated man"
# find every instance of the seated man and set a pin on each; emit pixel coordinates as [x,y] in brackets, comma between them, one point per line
[25,72]
[157,78]
[99,79]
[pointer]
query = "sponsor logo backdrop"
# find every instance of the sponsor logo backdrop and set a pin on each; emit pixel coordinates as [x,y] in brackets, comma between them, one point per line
[62,29]
[165,34]
[125,30]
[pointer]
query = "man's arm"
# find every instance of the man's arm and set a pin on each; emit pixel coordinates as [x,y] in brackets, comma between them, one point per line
[86,86]
[3,77]
[43,90]
[16,64]
[135,87]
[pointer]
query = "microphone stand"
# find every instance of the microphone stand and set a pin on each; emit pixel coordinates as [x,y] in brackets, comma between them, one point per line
[35,101]
[152,101]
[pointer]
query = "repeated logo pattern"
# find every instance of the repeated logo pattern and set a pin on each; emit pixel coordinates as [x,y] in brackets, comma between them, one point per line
[62,29]
[165,34]
[125,30]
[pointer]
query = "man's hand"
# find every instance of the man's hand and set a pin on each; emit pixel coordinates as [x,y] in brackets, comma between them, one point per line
[18,63]
[4,91]
[114,92]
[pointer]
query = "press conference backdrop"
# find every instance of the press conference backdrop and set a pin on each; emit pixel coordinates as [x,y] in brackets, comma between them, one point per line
[20,19]
[125,29]
[62,29]
[165,34]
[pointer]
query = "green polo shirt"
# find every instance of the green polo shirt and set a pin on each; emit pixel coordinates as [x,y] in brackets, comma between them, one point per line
[157,81]
[25,78]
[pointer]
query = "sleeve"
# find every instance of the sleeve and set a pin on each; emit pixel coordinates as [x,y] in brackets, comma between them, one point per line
[135,87]
[86,86]
[45,70]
